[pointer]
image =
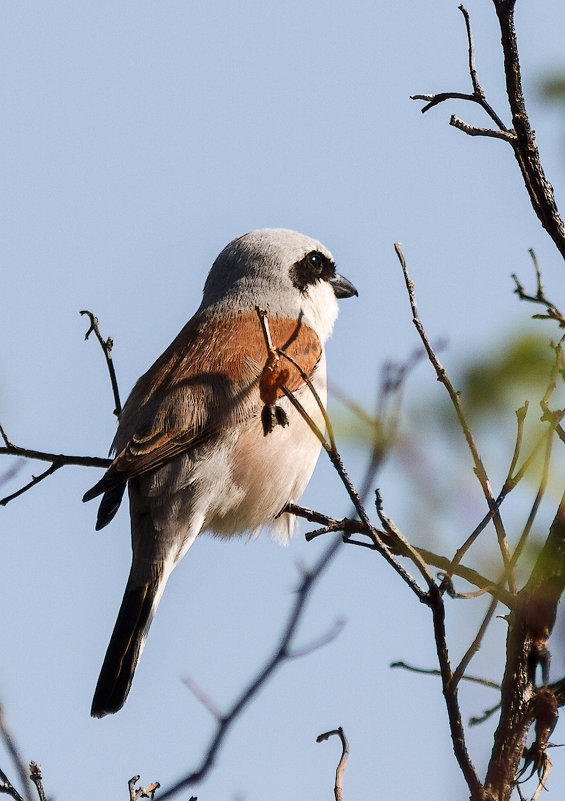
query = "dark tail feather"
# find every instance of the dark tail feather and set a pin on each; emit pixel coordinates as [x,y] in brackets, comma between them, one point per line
[109,505]
[127,641]
[111,501]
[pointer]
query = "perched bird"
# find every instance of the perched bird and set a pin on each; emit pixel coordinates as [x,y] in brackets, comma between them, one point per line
[207,440]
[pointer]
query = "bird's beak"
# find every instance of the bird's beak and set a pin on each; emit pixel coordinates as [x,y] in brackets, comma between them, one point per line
[342,287]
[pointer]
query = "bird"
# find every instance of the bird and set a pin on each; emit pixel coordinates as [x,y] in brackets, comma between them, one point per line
[208,441]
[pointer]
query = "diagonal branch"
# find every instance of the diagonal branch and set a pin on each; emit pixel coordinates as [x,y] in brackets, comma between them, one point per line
[525,147]
[455,398]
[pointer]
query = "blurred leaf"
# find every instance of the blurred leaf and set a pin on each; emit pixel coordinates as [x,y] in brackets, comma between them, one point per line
[515,373]
[553,87]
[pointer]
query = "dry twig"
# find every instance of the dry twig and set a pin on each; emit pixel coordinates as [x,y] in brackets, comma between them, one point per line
[107,346]
[142,792]
[338,787]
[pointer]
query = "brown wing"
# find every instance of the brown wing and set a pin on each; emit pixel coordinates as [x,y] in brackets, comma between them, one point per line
[207,378]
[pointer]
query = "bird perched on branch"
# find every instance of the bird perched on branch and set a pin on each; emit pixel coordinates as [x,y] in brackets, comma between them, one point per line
[208,439]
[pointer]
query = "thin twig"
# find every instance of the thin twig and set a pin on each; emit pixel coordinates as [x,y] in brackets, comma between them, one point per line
[142,792]
[463,422]
[552,312]
[106,345]
[335,458]
[306,378]
[7,788]
[15,755]
[203,697]
[280,654]
[477,130]
[477,96]
[450,695]
[338,788]
[476,720]
[34,480]
[37,779]
[459,671]
[57,460]
[319,642]
[351,527]
[435,672]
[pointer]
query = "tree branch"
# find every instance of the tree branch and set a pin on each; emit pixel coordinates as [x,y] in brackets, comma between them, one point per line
[57,460]
[525,148]
[530,625]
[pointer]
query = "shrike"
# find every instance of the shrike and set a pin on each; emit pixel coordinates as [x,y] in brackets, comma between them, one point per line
[194,444]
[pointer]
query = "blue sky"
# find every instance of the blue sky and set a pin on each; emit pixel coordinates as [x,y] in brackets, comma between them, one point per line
[138,138]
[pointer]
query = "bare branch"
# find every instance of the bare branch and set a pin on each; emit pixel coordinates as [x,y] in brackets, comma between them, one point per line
[281,653]
[435,672]
[323,639]
[476,720]
[476,130]
[37,779]
[521,137]
[203,697]
[338,788]
[143,792]
[459,671]
[552,312]
[7,788]
[530,625]
[449,688]
[34,480]
[106,345]
[477,96]
[455,398]
[525,147]
[350,527]
[57,460]
[17,759]
[330,448]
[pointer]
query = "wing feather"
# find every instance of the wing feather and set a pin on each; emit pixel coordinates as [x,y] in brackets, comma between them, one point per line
[207,379]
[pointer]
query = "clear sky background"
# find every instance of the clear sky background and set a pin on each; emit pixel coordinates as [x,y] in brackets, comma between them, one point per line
[138,138]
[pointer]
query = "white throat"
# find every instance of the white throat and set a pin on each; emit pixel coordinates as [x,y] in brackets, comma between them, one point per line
[320,308]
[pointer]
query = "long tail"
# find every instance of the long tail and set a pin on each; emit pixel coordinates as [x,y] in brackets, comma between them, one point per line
[126,644]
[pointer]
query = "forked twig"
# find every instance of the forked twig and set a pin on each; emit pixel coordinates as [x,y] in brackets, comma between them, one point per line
[142,792]
[476,96]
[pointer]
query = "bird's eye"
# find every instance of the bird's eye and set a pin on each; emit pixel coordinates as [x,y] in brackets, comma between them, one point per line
[315,260]
[313,267]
